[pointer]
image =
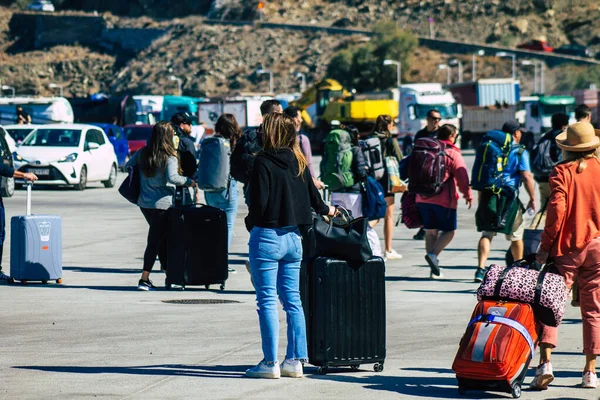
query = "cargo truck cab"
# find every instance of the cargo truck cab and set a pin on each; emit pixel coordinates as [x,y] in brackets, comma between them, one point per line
[535,112]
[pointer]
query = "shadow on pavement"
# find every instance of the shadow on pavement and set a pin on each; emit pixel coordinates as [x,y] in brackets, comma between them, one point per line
[467,291]
[133,288]
[217,371]
[246,255]
[104,270]
[424,279]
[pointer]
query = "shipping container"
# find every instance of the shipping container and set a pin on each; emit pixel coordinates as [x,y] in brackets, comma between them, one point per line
[476,121]
[486,92]
[589,97]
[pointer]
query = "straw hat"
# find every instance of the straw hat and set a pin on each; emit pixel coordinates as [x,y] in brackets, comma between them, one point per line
[580,136]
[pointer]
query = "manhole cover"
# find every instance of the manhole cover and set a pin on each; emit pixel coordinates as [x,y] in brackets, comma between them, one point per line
[200,301]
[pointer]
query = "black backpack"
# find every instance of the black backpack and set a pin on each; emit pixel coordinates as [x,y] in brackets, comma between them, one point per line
[242,158]
[545,155]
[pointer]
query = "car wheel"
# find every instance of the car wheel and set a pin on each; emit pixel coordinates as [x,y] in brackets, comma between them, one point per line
[112,178]
[82,179]
[8,187]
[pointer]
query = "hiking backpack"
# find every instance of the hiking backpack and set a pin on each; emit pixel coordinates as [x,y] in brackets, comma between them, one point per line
[213,167]
[242,158]
[374,205]
[427,167]
[336,164]
[371,149]
[545,156]
[491,158]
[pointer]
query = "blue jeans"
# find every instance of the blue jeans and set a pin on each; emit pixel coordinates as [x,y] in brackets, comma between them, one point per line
[227,202]
[275,257]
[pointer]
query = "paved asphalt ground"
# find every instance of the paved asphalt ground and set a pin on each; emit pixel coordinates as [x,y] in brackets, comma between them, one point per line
[95,336]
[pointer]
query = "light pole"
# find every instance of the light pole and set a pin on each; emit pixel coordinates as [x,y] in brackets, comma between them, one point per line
[179,83]
[54,86]
[542,91]
[5,87]
[264,71]
[460,68]
[302,76]
[535,76]
[514,61]
[447,68]
[398,65]
[474,68]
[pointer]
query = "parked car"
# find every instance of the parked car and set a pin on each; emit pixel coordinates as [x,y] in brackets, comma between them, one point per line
[119,141]
[68,154]
[137,136]
[8,184]
[574,50]
[41,5]
[536,45]
[19,132]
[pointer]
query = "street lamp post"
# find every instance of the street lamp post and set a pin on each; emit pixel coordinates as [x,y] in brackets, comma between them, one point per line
[54,86]
[514,61]
[302,76]
[6,87]
[264,71]
[179,83]
[474,68]
[447,68]
[535,76]
[542,91]
[460,68]
[398,65]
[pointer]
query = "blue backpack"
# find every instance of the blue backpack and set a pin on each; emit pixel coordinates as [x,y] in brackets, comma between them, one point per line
[490,160]
[374,205]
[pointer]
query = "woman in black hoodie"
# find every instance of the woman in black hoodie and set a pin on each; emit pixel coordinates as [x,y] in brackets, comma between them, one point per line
[282,194]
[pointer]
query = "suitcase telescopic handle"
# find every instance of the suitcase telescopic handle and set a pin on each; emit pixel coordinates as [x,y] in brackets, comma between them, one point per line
[28,204]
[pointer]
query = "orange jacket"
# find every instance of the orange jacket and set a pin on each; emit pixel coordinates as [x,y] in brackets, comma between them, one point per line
[573,216]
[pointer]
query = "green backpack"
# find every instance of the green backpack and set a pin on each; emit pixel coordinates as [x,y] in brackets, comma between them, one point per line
[336,165]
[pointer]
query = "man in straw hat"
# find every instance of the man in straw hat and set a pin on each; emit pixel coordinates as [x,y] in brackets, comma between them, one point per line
[517,170]
[572,238]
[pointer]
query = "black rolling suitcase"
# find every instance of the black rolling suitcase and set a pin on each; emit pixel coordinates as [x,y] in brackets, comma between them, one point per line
[197,247]
[346,314]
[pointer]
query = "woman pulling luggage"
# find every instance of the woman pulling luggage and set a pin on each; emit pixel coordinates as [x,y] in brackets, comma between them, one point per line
[159,166]
[572,238]
[281,194]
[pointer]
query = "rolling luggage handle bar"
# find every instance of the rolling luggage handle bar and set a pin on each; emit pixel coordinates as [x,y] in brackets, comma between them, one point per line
[28,203]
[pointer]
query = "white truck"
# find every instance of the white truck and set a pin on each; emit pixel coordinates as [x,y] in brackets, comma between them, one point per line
[415,101]
[245,109]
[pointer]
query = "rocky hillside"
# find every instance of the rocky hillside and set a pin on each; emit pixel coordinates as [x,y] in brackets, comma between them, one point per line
[216,59]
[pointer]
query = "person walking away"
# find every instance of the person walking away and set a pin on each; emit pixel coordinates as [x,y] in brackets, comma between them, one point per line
[182,124]
[9,172]
[281,195]
[572,238]
[355,171]
[583,113]
[390,148]
[438,212]
[227,129]
[517,170]
[294,113]
[545,156]
[23,118]
[160,172]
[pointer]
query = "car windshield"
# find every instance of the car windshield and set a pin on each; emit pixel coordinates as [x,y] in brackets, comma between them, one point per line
[446,110]
[54,138]
[19,134]
[138,133]
[550,109]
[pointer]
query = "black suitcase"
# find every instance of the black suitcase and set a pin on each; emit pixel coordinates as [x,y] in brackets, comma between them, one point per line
[197,247]
[346,314]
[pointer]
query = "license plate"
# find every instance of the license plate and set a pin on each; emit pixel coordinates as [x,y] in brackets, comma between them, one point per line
[40,171]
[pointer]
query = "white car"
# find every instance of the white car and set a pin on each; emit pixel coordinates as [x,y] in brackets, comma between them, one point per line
[68,154]
[41,5]
[18,133]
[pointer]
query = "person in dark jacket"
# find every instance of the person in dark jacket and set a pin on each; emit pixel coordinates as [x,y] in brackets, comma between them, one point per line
[8,171]
[182,124]
[351,198]
[281,195]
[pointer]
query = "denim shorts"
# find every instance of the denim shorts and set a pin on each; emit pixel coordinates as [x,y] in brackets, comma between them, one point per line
[437,217]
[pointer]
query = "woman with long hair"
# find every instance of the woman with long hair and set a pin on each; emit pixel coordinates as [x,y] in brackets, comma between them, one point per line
[160,172]
[390,148]
[572,238]
[281,195]
[226,127]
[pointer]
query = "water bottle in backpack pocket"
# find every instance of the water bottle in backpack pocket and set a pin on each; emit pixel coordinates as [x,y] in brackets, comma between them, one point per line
[213,167]
[491,158]
[336,165]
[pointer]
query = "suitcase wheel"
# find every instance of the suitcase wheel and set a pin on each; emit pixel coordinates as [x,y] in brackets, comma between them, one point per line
[206,287]
[378,367]
[222,287]
[323,370]
[59,281]
[516,391]
[24,282]
[354,367]
[462,391]
[44,282]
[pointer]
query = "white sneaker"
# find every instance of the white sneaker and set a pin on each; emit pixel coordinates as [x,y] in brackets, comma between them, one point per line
[434,276]
[590,380]
[291,368]
[393,255]
[543,377]
[262,370]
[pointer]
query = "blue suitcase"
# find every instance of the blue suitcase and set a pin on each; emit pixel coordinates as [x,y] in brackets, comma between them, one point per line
[35,246]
